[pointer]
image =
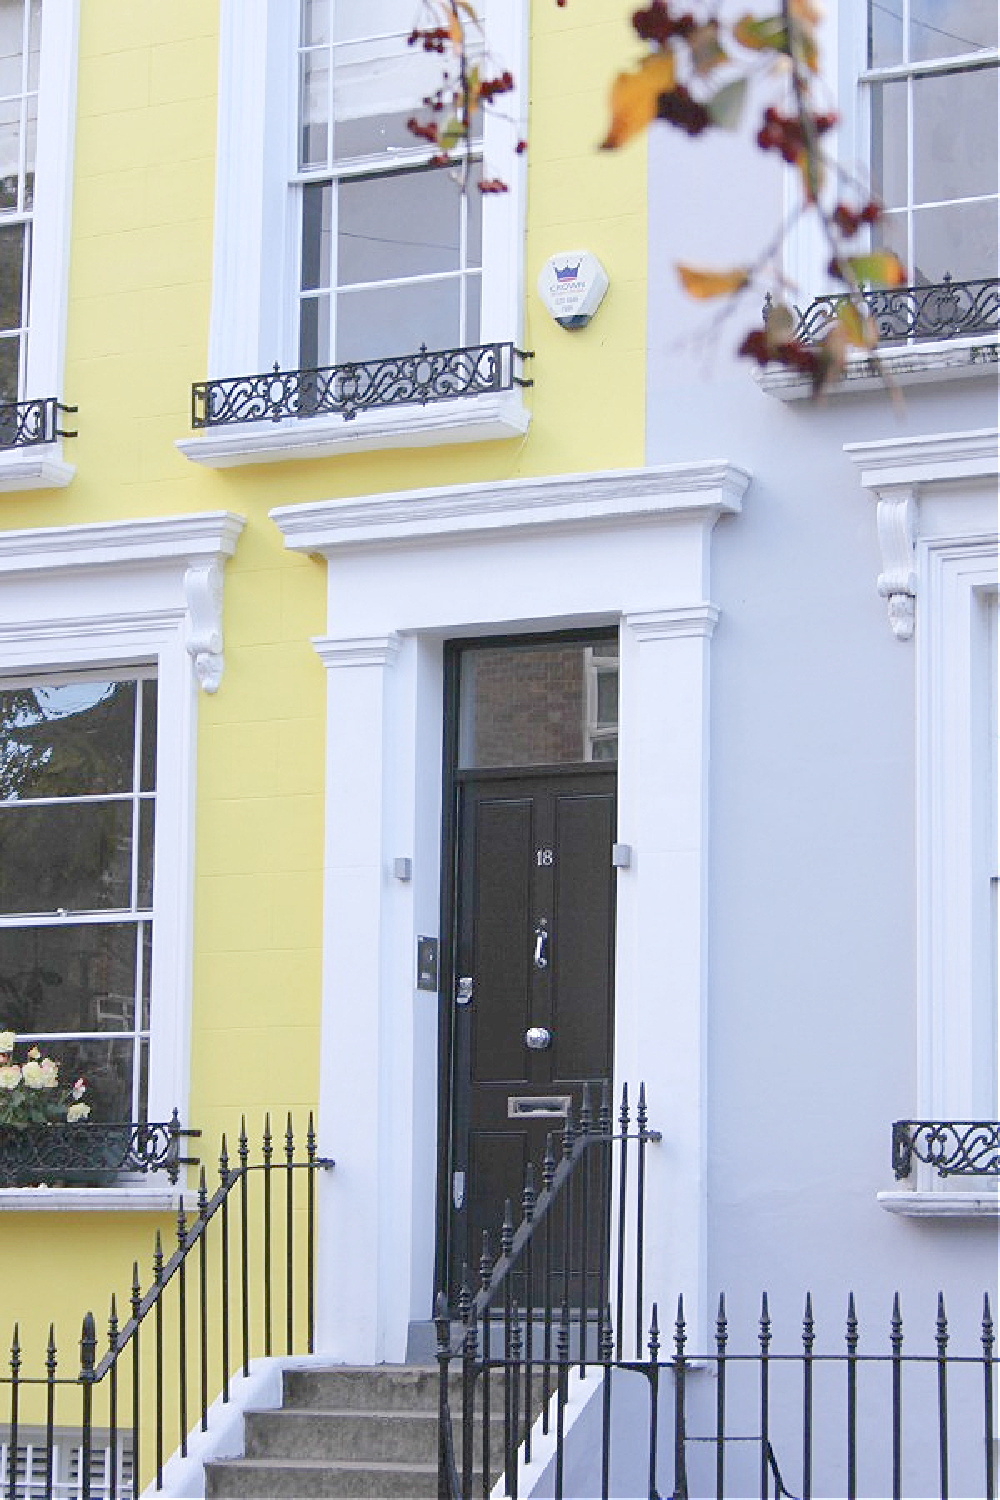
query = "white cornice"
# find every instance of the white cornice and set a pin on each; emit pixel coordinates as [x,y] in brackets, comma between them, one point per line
[910,365]
[704,490]
[685,620]
[941,1205]
[186,539]
[935,458]
[40,470]
[474,419]
[357,651]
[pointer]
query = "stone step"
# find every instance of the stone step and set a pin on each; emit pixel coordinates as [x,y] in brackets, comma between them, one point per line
[378,1387]
[276,1479]
[353,1434]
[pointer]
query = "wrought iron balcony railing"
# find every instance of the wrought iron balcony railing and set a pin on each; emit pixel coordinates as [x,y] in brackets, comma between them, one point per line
[344,390]
[955,1148]
[945,309]
[29,424]
[91,1153]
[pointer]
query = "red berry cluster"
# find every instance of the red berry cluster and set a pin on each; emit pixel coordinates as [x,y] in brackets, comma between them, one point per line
[784,133]
[492,185]
[790,352]
[425,130]
[679,108]
[490,87]
[849,220]
[433,38]
[656,24]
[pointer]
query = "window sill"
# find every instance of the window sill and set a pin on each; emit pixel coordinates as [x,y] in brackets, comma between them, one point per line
[945,1204]
[913,364]
[476,420]
[138,1197]
[39,468]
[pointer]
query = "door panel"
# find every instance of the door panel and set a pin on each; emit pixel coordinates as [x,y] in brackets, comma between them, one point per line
[533,861]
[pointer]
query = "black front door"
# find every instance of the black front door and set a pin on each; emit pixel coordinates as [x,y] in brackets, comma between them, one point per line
[534,960]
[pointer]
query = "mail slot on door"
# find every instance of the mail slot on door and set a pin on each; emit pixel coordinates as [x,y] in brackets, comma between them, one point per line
[538,1106]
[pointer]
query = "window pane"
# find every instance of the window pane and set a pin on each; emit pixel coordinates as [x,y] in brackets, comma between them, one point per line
[474,217]
[960,240]
[314,333]
[74,857]
[11,46]
[890,234]
[147,815]
[317,206]
[9,356]
[30,147]
[473,298]
[11,272]
[888,166]
[397,224]
[148,748]
[315,22]
[66,739]
[532,705]
[314,108]
[105,1067]
[885,33]
[397,320]
[944,28]
[34,42]
[147,971]
[80,977]
[607,696]
[955,135]
[10,152]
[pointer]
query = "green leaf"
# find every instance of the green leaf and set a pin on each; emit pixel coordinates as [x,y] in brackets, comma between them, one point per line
[726,105]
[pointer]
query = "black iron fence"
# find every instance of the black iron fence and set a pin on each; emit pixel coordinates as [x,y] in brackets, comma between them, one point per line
[413,379]
[91,1153]
[954,1148]
[28,424]
[945,309]
[240,1282]
[560,1325]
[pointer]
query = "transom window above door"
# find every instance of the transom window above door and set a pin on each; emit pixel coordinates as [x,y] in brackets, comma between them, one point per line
[538,703]
[391,245]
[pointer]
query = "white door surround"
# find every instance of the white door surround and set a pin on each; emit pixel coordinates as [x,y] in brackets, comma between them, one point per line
[406,572]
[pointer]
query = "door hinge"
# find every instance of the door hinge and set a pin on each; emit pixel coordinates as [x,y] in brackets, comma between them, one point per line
[458,1189]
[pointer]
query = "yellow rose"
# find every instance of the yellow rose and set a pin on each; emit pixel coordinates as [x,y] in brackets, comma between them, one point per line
[6,1041]
[33,1076]
[77,1112]
[10,1077]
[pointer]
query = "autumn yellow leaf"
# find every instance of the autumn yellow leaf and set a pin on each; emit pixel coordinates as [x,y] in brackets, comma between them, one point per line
[880,268]
[455,28]
[634,98]
[764,34]
[859,327]
[712,283]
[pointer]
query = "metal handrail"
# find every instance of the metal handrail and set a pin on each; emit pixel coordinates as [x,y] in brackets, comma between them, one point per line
[126,1337]
[945,309]
[955,1148]
[75,1153]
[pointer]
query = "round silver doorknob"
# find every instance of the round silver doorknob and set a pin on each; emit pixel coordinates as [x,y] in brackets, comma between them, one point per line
[538,1038]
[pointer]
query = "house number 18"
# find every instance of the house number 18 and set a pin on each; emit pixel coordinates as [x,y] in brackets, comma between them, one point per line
[545,857]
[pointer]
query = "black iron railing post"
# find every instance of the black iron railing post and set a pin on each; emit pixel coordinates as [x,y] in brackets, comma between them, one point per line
[203,1296]
[721,1340]
[243,1151]
[852,1398]
[310,1236]
[15,1376]
[987,1341]
[267,1150]
[50,1408]
[941,1340]
[88,1358]
[446,1456]
[605,1353]
[528,1205]
[680,1416]
[623,1122]
[158,1337]
[289,1236]
[182,1329]
[136,1301]
[765,1344]
[896,1344]
[808,1340]
[468,1386]
[485,1276]
[113,1399]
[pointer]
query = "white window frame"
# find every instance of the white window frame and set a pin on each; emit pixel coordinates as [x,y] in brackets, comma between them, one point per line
[43,467]
[116,595]
[937,522]
[255,282]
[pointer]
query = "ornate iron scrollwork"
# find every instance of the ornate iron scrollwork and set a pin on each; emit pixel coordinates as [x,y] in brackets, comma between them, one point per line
[955,1148]
[940,310]
[29,424]
[344,390]
[91,1152]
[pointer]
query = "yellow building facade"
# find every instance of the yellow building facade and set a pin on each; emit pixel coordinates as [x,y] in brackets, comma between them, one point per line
[126,293]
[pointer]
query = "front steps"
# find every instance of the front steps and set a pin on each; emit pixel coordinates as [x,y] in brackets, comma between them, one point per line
[359,1433]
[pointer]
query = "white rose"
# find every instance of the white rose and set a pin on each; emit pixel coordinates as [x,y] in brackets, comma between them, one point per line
[33,1076]
[6,1041]
[10,1077]
[77,1112]
[50,1073]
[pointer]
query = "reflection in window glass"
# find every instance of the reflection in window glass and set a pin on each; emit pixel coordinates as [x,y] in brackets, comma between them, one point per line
[77,808]
[546,704]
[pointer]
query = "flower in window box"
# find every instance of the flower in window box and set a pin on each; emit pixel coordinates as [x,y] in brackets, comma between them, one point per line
[30,1093]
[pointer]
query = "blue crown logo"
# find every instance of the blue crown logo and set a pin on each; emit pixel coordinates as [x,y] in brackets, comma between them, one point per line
[568,273]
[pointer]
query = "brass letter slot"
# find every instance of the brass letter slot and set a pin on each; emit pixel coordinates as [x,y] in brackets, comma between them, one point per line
[538,1106]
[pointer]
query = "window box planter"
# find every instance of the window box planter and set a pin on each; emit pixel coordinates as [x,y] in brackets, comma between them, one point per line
[90,1153]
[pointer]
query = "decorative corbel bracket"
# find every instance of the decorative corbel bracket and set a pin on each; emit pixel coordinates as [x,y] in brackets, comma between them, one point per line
[897,534]
[203,635]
